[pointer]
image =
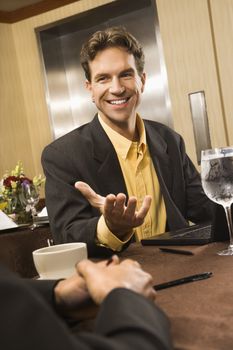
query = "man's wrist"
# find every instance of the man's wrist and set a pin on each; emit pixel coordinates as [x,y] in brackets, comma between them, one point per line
[122,235]
[106,238]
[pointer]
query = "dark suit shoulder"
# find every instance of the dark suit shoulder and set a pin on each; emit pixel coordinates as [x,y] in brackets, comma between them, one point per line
[72,145]
[160,135]
[87,141]
[161,129]
[74,137]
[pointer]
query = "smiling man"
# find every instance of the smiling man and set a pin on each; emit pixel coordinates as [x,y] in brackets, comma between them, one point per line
[133,176]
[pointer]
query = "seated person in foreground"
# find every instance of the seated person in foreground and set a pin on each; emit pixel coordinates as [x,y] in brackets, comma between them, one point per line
[34,313]
[140,166]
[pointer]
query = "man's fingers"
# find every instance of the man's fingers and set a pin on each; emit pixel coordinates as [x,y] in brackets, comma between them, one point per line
[86,267]
[144,208]
[109,204]
[85,189]
[119,206]
[93,198]
[131,208]
[115,260]
[131,262]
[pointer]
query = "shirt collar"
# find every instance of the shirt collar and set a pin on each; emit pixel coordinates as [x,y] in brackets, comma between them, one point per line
[122,144]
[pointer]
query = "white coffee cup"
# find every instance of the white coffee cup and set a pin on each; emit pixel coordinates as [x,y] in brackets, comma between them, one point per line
[58,261]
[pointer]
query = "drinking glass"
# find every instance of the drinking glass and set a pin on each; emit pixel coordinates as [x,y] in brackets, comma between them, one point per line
[31,198]
[217,182]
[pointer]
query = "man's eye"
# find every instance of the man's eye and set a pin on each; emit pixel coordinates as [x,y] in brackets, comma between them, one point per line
[126,75]
[101,79]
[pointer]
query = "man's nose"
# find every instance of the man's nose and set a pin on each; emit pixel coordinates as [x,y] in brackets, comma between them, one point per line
[116,87]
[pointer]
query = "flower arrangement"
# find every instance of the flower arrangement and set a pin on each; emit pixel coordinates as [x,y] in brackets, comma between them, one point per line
[12,185]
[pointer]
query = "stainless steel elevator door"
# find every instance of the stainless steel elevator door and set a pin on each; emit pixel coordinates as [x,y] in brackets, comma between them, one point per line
[68,101]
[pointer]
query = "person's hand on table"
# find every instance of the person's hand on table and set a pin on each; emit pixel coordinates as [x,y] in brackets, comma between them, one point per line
[101,279]
[77,296]
[72,296]
[120,217]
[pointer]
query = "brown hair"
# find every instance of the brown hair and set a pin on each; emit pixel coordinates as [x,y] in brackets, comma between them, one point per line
[111,37]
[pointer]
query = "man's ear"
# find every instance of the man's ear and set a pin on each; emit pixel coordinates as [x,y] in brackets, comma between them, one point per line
[89,88]
[88,85]
[143,80]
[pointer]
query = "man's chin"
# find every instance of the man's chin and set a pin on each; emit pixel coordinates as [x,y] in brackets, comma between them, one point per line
[117,116]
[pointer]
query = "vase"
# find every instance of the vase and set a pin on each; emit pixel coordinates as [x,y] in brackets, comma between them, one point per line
[17,211]
[22,217]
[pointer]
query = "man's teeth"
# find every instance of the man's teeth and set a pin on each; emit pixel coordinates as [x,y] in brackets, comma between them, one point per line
[118,102]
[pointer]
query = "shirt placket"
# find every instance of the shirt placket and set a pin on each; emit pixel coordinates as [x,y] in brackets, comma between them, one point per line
[145,229]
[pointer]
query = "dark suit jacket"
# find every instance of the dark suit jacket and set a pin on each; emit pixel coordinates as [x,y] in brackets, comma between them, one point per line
[86,154]
[28,320]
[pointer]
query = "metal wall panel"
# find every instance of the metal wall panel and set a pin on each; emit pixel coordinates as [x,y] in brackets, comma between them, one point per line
[200,122]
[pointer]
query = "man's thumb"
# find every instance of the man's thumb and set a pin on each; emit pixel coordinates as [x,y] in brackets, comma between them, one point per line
[86,267]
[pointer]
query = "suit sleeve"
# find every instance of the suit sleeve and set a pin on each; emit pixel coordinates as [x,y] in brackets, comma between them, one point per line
[133,321]
[71,217]
[126,320]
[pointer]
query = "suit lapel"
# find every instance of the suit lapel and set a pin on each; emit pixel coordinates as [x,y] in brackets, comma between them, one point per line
[160,157]
[162,162]
[110,177]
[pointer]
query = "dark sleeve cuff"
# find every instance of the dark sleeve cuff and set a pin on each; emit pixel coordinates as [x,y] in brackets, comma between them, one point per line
[46,289]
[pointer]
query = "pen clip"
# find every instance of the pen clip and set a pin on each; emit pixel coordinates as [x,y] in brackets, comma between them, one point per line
[202,276]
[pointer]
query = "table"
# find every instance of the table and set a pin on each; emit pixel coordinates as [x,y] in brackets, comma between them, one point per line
[17,245]
[201,312]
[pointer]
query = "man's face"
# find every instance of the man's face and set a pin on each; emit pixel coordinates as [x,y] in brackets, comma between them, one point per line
[116,86]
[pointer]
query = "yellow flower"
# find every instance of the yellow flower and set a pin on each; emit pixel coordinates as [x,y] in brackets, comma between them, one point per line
[38,180]
[13,185]
[18,169]
[3,205]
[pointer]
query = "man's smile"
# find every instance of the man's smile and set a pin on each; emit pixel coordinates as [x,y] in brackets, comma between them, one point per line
[118,102]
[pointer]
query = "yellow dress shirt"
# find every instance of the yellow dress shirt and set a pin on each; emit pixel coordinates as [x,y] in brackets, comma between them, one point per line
[141,179]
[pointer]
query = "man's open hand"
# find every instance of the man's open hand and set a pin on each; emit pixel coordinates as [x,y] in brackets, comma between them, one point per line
[120,217]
